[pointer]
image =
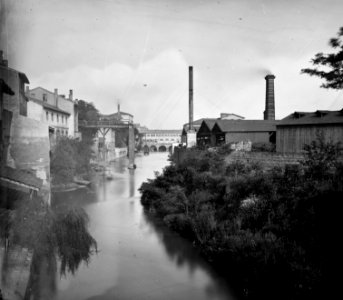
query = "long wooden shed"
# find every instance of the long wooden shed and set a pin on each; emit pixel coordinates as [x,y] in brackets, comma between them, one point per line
[301,128]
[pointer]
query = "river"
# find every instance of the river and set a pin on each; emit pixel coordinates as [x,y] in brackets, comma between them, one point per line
[138,258]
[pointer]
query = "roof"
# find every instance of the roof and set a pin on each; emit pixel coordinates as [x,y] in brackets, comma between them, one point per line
[197,123]
[48,106]
[225,115]
[313,118]
[20,177]
[5,88]
[114,115]
[246,125]
[52,93]
[22,76]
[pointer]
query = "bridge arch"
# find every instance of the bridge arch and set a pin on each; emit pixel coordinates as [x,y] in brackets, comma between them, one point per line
[170,149]
[162,148]
[153,148]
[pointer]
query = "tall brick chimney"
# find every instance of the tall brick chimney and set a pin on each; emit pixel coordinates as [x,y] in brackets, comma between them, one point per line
[269,113]
[190,123]
[71,95]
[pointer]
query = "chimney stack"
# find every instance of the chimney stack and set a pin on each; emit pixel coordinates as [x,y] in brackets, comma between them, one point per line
[190,124]
[56,97]
[118,113]
[269,113]
[71,95]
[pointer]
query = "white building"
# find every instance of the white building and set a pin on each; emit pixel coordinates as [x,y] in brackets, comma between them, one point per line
[58,111]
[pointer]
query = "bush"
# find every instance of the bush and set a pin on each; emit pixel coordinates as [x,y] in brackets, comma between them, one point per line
[263,147]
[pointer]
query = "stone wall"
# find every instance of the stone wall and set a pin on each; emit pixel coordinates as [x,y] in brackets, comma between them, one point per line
[29,149]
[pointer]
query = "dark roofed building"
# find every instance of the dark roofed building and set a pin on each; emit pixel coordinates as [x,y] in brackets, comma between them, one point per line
[301,128]
[255,131]
[204,133]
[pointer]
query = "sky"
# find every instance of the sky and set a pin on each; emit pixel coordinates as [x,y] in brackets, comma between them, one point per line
[137,53]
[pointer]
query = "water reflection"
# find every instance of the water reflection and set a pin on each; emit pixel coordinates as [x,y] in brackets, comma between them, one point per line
[185,255]
[139,258]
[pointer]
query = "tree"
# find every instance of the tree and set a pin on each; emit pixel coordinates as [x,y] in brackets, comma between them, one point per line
[332,61]
[87,112]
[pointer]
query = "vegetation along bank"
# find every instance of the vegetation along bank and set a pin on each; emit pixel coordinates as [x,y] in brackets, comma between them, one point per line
[272,233]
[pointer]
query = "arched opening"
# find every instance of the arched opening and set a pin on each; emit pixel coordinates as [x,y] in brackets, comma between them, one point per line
[162,148]
[153,149]
[170,149]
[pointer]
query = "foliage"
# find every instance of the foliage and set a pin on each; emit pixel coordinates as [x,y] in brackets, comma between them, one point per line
[87,112]
[63,164]
[271,226]
[71,157]
[263,147]
[332,61]
[321,157]
[46,232]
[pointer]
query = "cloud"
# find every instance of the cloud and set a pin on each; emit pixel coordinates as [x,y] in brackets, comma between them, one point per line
[152,91]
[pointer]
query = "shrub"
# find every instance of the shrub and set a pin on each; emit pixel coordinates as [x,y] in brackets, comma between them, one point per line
[263,147]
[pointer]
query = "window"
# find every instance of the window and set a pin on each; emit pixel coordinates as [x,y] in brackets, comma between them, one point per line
[52,116]
[45,97]
[57,117]
[47,115]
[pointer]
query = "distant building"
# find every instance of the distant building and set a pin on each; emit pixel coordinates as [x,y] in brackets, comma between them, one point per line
[301,128]
[119,116]
[59,112]
[25,160]
[197,124]
[161,139]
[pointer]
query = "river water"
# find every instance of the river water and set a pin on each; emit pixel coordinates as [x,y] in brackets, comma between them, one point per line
[138,258]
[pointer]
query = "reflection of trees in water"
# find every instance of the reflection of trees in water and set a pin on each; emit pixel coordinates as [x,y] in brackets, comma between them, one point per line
[50,235]
[132,183]
[183,254]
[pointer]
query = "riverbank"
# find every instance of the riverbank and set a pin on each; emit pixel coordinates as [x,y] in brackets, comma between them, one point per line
[268,226]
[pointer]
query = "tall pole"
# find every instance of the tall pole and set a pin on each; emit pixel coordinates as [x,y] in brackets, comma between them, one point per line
[131,147]
[190,124]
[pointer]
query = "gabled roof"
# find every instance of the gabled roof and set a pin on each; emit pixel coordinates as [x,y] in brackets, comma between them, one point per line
[48,106]
[316,117]
[208,123]
[197,123]
[246,125]
[22,76]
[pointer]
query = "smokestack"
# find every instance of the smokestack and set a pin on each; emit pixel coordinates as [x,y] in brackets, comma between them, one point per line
[269,113]
[56,97]
[118,114]
[190,124]
[71,95]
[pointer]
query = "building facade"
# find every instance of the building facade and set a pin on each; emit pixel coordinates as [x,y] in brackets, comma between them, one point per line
[25,160]
[59,112]
[160,139]
[301,128]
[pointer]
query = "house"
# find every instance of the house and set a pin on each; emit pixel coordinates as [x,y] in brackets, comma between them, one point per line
[59,112]
[233,131]
[197,123]
[25,160]
[301,128]
[205,135]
